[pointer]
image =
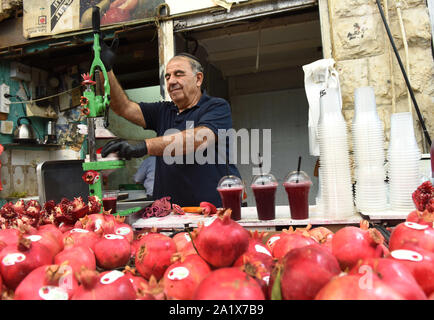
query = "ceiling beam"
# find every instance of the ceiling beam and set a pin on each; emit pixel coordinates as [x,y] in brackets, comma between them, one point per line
[264,49]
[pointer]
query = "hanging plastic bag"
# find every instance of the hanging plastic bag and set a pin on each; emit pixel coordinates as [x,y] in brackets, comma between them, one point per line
[318,75]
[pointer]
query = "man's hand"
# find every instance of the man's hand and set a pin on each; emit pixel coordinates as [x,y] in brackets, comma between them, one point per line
[108,54]
[124,149]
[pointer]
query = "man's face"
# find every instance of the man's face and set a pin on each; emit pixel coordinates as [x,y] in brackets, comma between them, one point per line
[183,85]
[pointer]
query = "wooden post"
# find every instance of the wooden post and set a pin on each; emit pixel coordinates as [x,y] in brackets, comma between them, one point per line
[166,50]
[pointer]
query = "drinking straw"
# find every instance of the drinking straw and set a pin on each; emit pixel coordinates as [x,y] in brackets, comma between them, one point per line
[227,170]
[260,166]
[298,168]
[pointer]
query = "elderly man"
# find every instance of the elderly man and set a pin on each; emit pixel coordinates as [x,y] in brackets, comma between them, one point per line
[187,183]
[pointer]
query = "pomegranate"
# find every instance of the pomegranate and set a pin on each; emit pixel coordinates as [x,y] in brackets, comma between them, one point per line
[20,259]
[125,230]
[82,237]
[272,241]
[394,274]
[19,207]
[420,235]
[79,208]
[33,208]
[112,251]
[357,287]
[65,227]
[140,285]
[184,244]
[423,196]
[350,244]
[156,290]
[323,236]
[101,223]
[95,204]
[258,266]
[183,277]
[109,285]
[290,240]
[305,271]
[424,217]
[228,284]
[51,228]
[47,239]
[76,256]
[53,282]
[221,251]
[420,262]
[9,236]
[153,255]
[208,208]
[256,243]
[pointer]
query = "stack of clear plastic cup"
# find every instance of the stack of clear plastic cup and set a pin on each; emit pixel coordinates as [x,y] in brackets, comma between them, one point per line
[336,189]
[403,156]
[369,157]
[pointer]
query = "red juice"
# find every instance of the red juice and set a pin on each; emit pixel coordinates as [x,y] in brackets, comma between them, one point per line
[231,198]
[298,197]
[109,203]
[265,199]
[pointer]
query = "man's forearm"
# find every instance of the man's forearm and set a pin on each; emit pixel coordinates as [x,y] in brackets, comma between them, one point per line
[118,98]
[184,142]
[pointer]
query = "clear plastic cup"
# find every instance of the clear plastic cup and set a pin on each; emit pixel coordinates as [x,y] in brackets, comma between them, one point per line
[109,200]
[264,189]
[231,190]
[297,185]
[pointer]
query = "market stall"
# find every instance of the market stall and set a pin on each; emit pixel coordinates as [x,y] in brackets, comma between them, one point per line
[338,226]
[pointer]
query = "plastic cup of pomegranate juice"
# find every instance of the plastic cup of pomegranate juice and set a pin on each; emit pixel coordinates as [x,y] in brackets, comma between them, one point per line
[231,190]
[109,200]
[297,186]
[264,189]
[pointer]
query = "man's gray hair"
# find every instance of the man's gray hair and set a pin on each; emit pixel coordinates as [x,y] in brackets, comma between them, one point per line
[195,64]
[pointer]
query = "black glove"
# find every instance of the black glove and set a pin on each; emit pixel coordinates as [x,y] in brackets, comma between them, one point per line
[108,54]
[124,149]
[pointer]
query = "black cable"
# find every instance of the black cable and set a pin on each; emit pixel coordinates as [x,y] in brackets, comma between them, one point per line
[407,82]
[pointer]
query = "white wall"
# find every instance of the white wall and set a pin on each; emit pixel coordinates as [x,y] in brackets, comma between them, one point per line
[285,112]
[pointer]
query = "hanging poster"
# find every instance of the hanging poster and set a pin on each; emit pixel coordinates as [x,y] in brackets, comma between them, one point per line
[49,17]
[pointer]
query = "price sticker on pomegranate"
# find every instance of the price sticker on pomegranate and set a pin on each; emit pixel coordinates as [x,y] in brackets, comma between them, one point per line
[262,249]
[187,237]
[53,293]
[209,221]
[407,255]
[123,231]
[415,226]
[111,277]
[272,240]
[178,273]
[113,237]
[78,230]
[98,224]
[34,238]
[13,258]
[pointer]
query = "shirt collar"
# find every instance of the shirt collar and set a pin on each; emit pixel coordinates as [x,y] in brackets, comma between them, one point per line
[201,101]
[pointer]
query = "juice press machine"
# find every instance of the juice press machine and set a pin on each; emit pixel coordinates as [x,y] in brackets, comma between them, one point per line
[95,103]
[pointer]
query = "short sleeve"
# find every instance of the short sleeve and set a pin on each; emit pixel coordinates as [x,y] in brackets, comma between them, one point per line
[151,114]
[217,115]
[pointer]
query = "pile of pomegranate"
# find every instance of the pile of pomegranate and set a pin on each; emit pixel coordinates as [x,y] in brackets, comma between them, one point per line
[70,251]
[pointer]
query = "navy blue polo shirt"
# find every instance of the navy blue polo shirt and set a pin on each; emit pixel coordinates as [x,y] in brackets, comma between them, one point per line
[189,184]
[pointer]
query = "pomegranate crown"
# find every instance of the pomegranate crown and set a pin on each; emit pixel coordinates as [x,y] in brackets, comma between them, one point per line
[87,79]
